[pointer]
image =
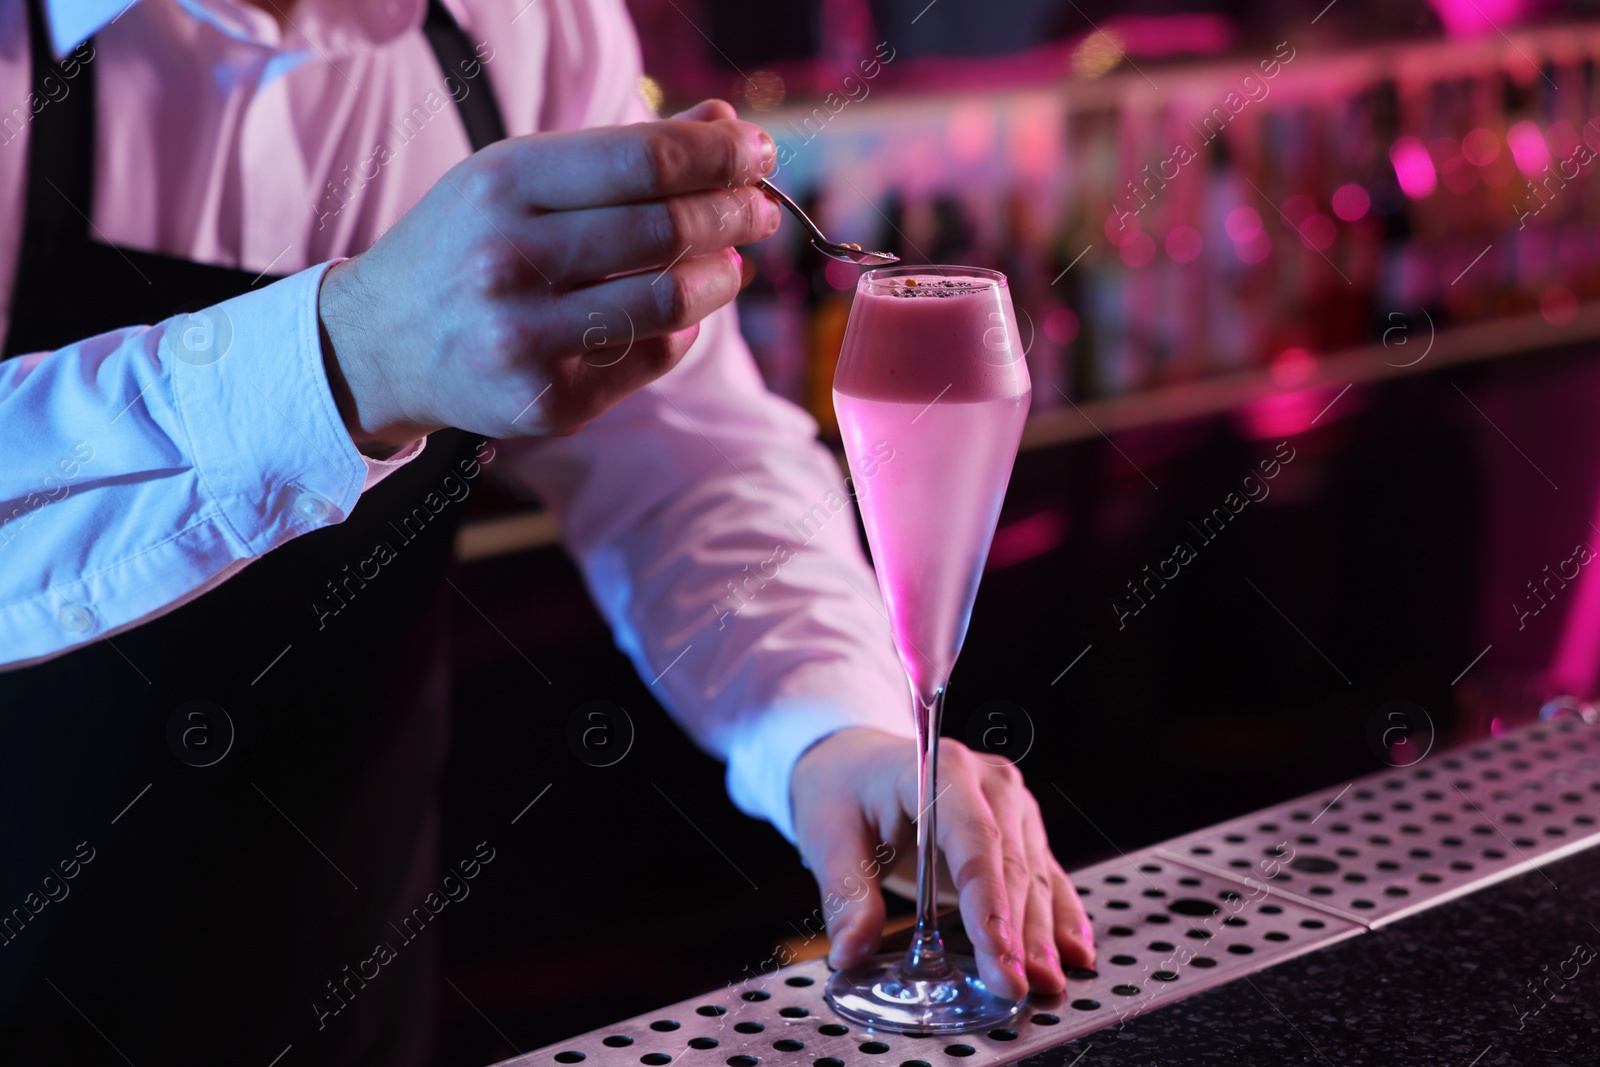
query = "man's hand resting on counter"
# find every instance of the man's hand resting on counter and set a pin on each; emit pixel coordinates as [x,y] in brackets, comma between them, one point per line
[495,305]
[858,787]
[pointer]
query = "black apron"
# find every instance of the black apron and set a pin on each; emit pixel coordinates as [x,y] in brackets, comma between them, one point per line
[158,903]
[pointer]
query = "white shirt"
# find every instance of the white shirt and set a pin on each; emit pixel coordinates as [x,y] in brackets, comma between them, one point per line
[132,480]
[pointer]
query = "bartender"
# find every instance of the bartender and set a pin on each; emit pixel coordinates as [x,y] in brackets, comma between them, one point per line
[382,243]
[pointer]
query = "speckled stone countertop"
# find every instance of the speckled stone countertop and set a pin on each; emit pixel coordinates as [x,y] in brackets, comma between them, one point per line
[1441,989]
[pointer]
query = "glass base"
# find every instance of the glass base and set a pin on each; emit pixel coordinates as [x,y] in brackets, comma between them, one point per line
[875,994]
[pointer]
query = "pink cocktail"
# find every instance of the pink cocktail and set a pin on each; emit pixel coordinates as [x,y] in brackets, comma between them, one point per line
[931,376]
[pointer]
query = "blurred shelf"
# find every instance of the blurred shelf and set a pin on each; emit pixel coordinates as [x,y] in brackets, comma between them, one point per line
[489,538]
[1500,338]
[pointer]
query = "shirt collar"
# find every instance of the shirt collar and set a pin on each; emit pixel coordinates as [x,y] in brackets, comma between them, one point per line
[332,26]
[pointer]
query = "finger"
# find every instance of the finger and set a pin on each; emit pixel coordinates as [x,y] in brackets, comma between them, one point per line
[852,904]
[573,247]
[973,844]
[617,164]
[1070,933]
[1004,801]
[708,111]
[589,385]
[598,377]
[1027,881]
[1074,934]
[655,303]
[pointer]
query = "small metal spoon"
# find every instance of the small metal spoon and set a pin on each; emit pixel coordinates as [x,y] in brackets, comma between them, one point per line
[847,253]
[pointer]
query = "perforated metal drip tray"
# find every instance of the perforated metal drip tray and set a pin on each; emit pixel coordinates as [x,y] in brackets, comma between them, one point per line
[1190,914]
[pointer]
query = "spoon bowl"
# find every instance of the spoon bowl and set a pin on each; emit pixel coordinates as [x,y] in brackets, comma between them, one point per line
[848,253]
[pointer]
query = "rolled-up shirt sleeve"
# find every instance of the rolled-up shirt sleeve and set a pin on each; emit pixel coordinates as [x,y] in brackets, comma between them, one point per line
[144,466]
[719,541]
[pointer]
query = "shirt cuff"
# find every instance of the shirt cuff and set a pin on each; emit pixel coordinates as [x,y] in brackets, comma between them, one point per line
[761,761]
[379,469]
[268,443]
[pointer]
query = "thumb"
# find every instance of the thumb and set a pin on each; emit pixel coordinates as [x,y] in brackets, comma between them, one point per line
[847,870]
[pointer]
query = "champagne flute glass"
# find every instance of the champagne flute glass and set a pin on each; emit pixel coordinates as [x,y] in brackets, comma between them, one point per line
[931,393]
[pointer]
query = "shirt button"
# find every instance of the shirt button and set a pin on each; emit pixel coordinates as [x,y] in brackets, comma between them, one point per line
[74,619]
[311,507]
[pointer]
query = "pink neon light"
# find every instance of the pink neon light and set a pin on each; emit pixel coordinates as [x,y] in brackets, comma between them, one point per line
[1562,137]
[1254,251]
[1413,167]
[1183,244]
[1165,35]
[1318,231]
[1033,139]
[1121,228]
[1528,147]
[1292,367]
[1481,147]
[1282,414]
[1477,18]
[1061,326]
[1243,224]
[1351,202]
[1026,539]
[1138,250]
[970,132]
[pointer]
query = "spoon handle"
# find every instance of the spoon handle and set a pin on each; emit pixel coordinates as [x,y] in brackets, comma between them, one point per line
[794,209]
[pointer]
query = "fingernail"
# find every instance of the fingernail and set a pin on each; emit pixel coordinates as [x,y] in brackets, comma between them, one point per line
[768,152]
[770,213]
[1012,965]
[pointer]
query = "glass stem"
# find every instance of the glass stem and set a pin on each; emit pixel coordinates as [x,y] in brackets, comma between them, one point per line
[925,958]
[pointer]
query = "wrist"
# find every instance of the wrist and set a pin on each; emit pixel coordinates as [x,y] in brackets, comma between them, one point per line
[372,413]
